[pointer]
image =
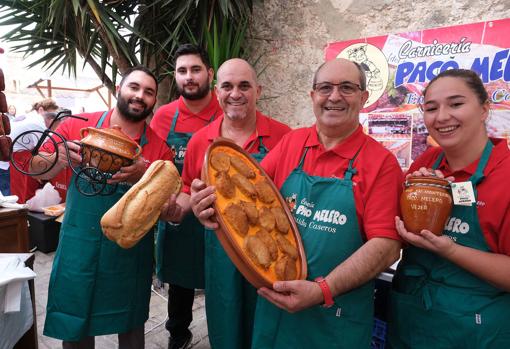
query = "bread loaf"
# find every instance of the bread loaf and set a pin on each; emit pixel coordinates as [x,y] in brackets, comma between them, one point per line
[137,211]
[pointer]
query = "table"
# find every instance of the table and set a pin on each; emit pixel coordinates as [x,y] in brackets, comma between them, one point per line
[13,230]
[14,240]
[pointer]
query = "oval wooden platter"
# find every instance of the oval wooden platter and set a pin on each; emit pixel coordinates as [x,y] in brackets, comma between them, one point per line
[234,242]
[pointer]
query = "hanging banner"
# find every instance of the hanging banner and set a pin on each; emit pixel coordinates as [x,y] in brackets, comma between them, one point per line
[399,66]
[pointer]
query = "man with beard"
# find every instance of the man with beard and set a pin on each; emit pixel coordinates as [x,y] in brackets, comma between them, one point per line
[96,287]
[180,248]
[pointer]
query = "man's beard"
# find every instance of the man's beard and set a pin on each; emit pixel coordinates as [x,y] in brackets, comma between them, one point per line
[123,106]
[198,94]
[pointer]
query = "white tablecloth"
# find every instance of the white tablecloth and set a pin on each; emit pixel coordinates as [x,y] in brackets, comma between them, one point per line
[14,325]
[16,316]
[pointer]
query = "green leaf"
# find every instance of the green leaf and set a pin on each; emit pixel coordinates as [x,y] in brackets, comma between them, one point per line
[127,32]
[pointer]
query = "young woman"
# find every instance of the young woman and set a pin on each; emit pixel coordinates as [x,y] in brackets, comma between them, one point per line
[453,291]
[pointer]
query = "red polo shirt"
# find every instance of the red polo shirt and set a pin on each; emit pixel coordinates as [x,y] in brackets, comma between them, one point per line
[22,185]
[187,121]
[61,182]
[377,184]
[155,148]
[270,130]
[493,202]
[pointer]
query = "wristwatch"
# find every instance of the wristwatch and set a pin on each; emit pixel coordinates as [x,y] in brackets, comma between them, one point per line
[326,292]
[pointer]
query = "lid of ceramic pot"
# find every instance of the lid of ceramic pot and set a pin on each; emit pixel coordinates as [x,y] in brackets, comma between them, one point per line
[112,140]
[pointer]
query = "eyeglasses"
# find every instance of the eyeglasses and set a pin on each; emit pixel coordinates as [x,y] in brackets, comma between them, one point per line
[345,88]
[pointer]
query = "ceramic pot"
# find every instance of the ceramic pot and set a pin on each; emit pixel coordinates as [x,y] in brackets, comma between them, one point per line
[426,203]
[108,149]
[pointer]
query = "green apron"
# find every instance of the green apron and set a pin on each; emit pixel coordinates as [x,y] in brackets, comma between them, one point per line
[348,323]
[229,299]
[180,248]
[436,304]
[96,287]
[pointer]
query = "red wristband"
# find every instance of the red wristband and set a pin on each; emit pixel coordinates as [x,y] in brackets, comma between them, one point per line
[326,292]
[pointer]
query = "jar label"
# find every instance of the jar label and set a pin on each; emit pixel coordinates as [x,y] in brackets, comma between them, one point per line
[463,193]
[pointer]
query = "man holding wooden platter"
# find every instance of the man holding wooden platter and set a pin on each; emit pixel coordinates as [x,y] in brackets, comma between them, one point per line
[344,187]
[230,299]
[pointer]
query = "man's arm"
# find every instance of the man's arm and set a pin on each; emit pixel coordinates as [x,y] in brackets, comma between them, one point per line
[177,207]
[42,161]
[201,201]
[375,256]
[362,266]
[130,174]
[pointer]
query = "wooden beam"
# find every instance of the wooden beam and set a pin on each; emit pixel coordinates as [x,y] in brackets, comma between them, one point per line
[39,90]
[69,88]
[100,95]
[49,87]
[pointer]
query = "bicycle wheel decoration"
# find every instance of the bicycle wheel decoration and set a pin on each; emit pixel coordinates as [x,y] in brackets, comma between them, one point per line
[25,152]
[104,152]
[90,181]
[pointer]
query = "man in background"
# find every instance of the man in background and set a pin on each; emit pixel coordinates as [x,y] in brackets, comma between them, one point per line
[180,247]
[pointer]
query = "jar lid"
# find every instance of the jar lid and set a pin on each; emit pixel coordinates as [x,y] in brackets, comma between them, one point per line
[427,181]
[116,132]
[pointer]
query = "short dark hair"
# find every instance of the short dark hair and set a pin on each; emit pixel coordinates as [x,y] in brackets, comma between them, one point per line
[362,76]
[142,69]
[471,79]
[189,49]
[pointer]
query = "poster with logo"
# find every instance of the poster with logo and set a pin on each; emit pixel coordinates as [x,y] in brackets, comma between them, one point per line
[399,66]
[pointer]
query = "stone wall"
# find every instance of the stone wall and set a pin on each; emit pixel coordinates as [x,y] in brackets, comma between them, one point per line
[289,36]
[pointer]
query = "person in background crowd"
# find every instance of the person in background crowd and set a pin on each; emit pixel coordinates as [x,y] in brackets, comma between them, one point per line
[11,112]
[96,287]
[330,166]
[453,291]
[180,248]
[230,299]
[38,120]
[5,187]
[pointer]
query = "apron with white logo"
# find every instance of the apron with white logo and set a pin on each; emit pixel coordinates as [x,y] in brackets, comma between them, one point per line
[325,211]
[436,304]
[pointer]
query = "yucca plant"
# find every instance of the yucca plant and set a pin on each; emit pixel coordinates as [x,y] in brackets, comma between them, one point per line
[227,42]
[112,35]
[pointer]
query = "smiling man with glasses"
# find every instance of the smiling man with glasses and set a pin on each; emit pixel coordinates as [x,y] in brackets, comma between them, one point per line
[335,170]
[348,185]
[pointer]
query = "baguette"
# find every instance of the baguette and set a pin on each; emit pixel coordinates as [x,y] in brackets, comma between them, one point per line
[137,211]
